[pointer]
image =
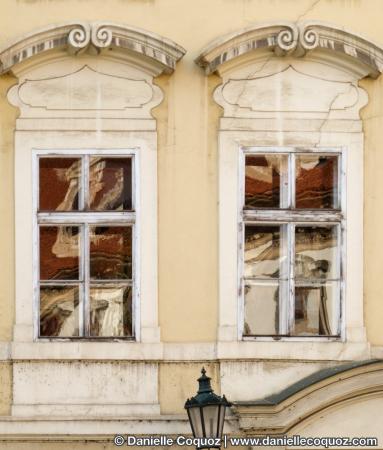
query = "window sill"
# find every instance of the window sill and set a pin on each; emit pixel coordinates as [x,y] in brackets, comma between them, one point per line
[86,350]
[293,339]
[293,349]
[202,351]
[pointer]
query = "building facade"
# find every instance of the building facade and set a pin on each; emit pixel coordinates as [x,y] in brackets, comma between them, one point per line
[189,184]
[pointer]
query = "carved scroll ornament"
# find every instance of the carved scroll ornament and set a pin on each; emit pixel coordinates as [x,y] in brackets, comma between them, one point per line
[291,39]
[79,37]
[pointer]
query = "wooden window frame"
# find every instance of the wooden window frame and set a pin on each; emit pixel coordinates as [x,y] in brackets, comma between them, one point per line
[83,219]
[292,217]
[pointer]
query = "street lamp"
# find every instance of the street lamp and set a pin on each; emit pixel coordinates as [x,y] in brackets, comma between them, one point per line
[206,412]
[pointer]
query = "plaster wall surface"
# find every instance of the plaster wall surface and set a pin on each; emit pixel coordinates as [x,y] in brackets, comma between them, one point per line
[187,123]
[187,143]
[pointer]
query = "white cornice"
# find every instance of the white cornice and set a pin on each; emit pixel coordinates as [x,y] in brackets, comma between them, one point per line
[81,37]
[288,38]
[316,394]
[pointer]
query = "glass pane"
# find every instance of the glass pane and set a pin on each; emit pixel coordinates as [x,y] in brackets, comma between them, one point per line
[316,252]
[316,310]
[265,251]
[266,181]
[316,181]
[59,252]
[110,184]
[59,311]
[261,309]
[59,184]
[195,416]
[111,311]
[110,252]
[221,420]
[210,414]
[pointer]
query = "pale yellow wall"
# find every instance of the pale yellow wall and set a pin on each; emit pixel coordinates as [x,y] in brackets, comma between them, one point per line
[372,116]
[178,381]
[7,120]
[188,224]
[5,388]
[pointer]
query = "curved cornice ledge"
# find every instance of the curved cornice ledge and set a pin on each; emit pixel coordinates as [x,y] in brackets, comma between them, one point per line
[80,37]
[279,413]
[289,38]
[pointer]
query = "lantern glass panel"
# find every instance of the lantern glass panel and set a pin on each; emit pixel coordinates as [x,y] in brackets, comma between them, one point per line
[210,415]
[221,420]
[196,421]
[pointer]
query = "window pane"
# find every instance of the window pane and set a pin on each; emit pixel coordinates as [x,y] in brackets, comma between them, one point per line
[110,252]
[59,184]
[266,181]
[59,252]
[110,184]
[316,181]
[316,310]
[265,247]
[111,311]
[316,252]
[261,309]
[59,311]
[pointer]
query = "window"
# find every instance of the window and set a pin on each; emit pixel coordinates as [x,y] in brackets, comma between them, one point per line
[291,271]
[86,232]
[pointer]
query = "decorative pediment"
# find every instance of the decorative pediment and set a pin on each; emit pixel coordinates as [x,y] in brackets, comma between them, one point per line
[264,93]
[321,40]
[85,87]
[289,88]
[287,77]
[87,91]
[145,49]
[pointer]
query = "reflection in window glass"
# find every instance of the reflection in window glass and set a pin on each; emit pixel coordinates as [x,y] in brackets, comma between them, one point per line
[85,254]
[316,310]
[292,222]
[316,252]
[59,252]
[264,251]
[110,184]
[110,252]
[111,311]
[265,180]
[316,181]
[59,184]
[261,309]
[59,311]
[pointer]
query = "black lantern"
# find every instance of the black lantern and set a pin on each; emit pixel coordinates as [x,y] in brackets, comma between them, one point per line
[206,413]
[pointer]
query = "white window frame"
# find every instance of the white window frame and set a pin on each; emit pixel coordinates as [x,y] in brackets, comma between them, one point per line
[147,343]
[127,218]
[353,343]
[292,218]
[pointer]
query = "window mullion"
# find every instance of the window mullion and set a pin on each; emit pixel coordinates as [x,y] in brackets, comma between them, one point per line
[284,279]
[285,184]
[81,284]
[85,286]
[292,180]
[290,304]
[85,290]
[85,182]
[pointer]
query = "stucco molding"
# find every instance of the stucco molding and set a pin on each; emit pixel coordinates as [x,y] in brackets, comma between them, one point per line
[80,37]
[279,413]
[291,39]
